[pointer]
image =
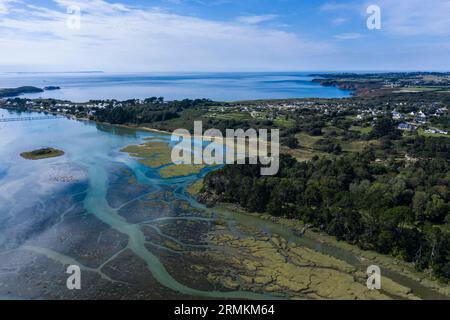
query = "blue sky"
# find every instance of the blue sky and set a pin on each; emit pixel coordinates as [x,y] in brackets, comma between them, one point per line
[223,35]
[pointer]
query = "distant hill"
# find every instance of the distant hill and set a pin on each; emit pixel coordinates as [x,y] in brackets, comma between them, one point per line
[14,92]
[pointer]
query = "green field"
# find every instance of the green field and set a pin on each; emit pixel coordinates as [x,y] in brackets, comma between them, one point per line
[180,170]
[195,188]
[357,146]
[362,130]
[282,122]
[151,154]
[307,140]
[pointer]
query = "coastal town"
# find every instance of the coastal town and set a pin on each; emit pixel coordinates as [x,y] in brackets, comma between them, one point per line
[425,117]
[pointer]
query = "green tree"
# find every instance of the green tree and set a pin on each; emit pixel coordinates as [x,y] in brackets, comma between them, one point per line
[436,209]
[419,204]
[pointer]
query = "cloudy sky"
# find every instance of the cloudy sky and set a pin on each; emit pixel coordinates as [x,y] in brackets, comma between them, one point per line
[222,35]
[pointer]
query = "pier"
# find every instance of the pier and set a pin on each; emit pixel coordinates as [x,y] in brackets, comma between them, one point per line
[29,118]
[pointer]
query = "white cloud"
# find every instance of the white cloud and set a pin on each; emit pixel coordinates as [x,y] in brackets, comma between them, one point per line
[4,6]
[416,17]
[117,37]
[401,17]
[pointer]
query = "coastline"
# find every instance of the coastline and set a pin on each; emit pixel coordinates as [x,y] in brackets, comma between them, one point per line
[388,262]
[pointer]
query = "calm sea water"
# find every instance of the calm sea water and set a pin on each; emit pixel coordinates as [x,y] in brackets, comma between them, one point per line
[81,87]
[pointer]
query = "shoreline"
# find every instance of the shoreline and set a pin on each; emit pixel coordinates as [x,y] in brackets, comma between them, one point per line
[391,263]
[402,267]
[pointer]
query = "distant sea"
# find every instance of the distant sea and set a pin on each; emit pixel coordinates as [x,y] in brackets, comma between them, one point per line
[82,87]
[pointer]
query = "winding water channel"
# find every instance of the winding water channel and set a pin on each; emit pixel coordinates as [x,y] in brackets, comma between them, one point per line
[31,209]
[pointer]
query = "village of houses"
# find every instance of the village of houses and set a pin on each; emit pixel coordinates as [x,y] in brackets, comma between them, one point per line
[419,117]
[407,121]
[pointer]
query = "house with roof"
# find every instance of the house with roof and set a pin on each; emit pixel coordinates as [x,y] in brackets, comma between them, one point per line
[397,115]
[406,127]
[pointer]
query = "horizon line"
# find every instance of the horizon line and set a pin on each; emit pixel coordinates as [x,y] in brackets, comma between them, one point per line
[205,72]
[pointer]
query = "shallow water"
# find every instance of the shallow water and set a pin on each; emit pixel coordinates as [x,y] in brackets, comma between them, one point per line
[92,148]
[34,205]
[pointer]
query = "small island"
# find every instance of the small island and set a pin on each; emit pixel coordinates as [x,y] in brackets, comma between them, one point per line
[43,153]
[52,88]
[14,92]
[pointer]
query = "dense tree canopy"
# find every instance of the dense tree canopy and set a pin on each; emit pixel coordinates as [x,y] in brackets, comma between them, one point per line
[153,110]
[400,209]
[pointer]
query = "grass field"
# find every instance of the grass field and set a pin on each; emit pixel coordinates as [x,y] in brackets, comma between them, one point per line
[300,154]
[195,188]
[151,154]
[362,130]
[180,170]
[306,140]
[282,122]
[357,146]
[157,154]
[185,121]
